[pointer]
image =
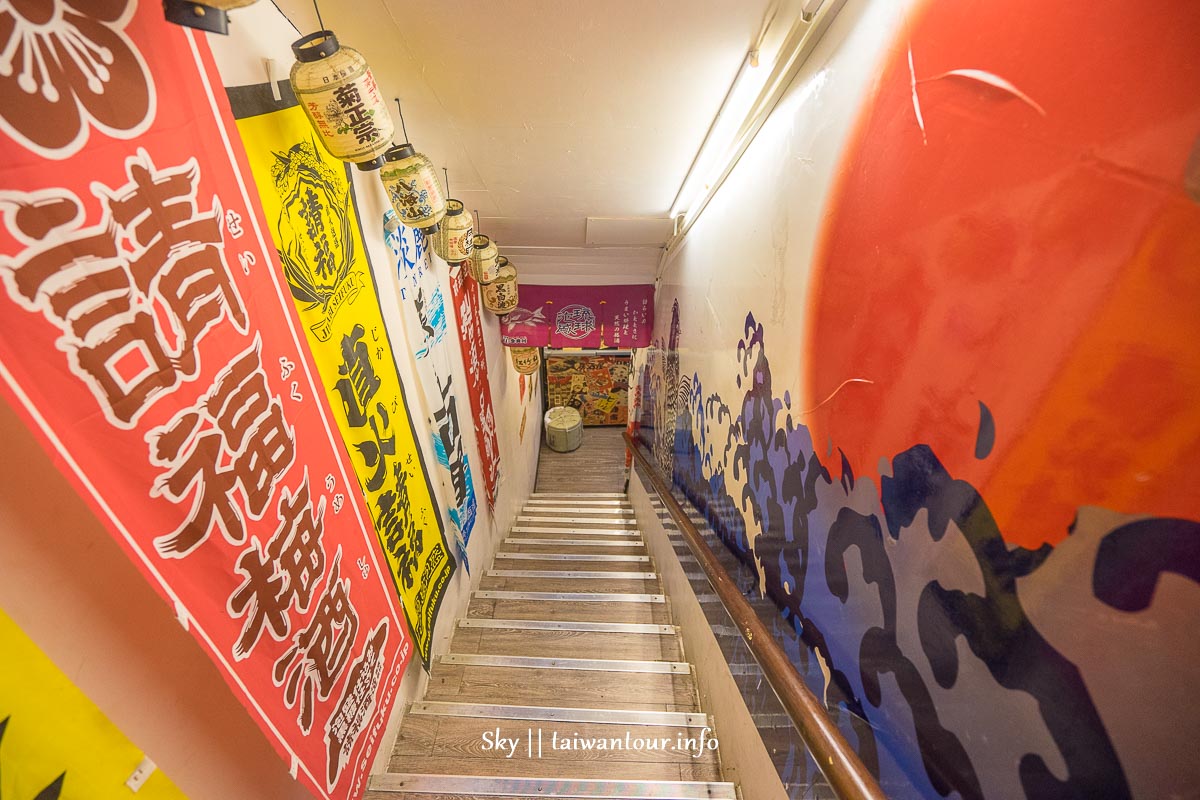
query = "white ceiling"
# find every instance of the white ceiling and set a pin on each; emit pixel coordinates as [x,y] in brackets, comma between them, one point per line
[550,112]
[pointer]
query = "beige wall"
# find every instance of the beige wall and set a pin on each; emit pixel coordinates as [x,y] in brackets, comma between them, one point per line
[70,587]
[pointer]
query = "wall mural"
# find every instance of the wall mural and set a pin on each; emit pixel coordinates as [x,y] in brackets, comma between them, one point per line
[424,310]
[596,385]
[308,198]
[929,565]
[978,516]
[147,337]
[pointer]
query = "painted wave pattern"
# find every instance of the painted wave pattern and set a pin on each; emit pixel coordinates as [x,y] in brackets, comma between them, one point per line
[910,604]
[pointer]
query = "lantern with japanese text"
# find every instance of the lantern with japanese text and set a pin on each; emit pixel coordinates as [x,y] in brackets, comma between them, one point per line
[526,360]
[337,91]
[500,295]
[207,16]
[483,258]
[453,240]
[413,188]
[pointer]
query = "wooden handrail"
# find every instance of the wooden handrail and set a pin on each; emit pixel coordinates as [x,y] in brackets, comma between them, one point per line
[839,762]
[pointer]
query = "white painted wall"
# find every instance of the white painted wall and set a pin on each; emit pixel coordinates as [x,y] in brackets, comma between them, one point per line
[752,247]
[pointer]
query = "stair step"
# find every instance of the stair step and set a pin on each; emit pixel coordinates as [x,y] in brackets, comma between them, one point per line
[628,522]
[647,613]
[572,574]
[572,597]
[572,543]
[526,761]
[580,789]
[566,644]
[540,583]
[605,716]
[580,509]
[623,559]
[619,690]
[578,531]
[567,625]
[584,664]
[598,503]
[581,495]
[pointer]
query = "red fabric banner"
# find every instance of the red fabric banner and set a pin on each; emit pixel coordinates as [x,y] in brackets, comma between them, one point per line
[147,336]
[465,292]
[593,317]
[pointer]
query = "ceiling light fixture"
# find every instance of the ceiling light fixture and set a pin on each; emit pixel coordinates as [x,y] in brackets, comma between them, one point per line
[745,89]
[766,73]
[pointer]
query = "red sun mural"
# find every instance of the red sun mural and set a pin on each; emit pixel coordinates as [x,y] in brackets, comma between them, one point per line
[1012,227]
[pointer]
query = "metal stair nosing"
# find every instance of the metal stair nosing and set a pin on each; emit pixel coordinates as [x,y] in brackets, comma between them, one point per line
[577,789]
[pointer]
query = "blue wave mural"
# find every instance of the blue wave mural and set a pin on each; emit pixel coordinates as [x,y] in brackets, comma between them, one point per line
[922,629]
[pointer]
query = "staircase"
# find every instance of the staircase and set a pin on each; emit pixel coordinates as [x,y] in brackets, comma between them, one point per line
[566,678]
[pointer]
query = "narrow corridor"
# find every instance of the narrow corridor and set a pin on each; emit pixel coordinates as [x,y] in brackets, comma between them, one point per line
[879,318]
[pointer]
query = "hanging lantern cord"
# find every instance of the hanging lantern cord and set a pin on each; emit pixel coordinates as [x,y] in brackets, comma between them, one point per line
[403,127]
[478,222]
[320,23]
[446,172]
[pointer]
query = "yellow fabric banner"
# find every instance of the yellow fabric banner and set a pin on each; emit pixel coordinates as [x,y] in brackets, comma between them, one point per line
[54,742]
[310,210]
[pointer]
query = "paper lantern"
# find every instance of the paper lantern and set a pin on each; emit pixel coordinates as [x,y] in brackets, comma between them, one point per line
[483,258]
[413,188]
[454,239]
[207,16]
[526,360]
[500,295]
[337,91]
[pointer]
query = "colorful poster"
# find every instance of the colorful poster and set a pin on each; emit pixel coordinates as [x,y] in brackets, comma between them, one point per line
[54,741]
[465,293]
[425,317]
[313,219]
[590,317]
[596,385]
[146,337]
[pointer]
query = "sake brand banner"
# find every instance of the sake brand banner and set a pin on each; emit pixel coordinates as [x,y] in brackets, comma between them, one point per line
[148,338]
[424,311]
[590,317]
[465,293]
[312,217]
[55,742]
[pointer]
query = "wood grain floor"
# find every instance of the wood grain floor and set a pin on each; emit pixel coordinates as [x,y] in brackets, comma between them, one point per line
[597,466]
[456,733]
